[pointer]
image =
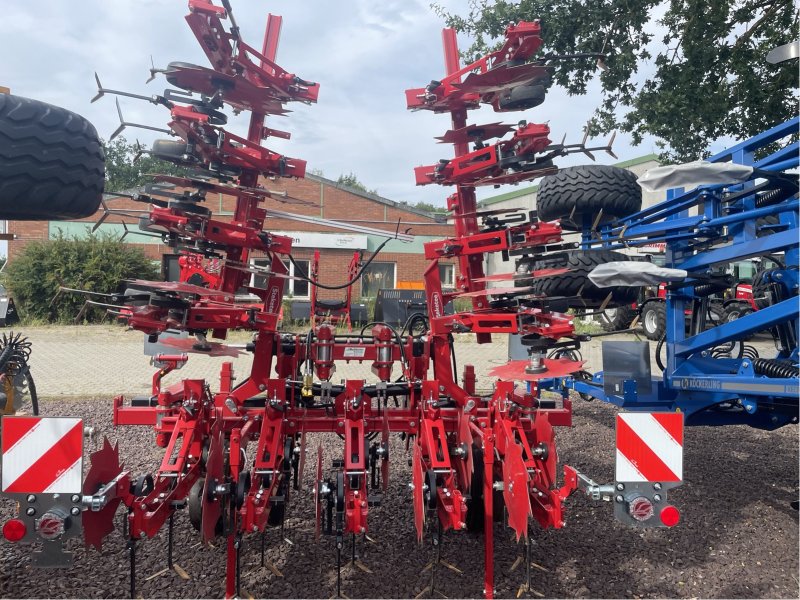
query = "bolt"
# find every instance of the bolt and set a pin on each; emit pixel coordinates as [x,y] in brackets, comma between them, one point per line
[745,364]
[32,498]
[30,511]
[441,388]
[341,424]
[619,498]
[657,498]
[255,528]
[75,511]
[75,498]
[291,423]
[620,486]
[656,486]
[412,424]
[143,506]
[363,530]
[261,387]
[56,496]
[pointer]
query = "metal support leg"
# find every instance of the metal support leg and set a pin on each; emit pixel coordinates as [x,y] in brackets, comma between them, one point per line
[132,557]
[263,546]
[169,540]
[339,544]
[238,546]
[488,516]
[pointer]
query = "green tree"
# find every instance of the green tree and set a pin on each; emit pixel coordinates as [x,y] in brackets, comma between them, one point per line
[350,180]
[428,207]
[127,167]
[95,262]
[689,77]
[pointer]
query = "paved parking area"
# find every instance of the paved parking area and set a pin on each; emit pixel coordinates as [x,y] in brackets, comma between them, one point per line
[101,360]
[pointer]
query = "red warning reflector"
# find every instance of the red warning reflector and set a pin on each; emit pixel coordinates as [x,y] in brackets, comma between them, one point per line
[670,516]
[14,530]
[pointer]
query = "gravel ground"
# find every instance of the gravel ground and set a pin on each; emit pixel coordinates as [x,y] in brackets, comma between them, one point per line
[738,537]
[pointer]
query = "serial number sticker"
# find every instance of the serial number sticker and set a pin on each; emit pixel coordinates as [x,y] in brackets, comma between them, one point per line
[354,351]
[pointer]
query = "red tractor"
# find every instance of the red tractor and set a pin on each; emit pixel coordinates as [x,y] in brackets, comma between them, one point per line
[742,298]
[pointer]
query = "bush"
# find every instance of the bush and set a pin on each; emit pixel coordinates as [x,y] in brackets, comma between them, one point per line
[95,263]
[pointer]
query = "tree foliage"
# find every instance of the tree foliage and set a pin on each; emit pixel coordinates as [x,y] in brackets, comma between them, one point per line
[97,263]
[685,71]
[428,207]
[351,180]
[127,166]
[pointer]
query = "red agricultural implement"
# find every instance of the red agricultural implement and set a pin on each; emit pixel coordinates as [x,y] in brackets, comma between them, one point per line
[469,450]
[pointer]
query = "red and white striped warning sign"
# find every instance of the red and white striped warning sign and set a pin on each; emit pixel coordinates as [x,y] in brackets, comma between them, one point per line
[649,447]
[42,455]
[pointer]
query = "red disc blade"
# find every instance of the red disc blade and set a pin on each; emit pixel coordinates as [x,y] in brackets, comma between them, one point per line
[212,507]
[515,490]
[104,468]
[418,481]
[302,462]
[465,439]
[385,444]
[317,498]
[191,345]
[514,370]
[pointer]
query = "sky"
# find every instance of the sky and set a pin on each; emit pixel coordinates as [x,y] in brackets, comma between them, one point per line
[364,54]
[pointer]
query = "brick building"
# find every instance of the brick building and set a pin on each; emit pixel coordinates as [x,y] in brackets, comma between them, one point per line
[398,265]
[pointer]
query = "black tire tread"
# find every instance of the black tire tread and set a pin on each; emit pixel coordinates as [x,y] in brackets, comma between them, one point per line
[577,283]
[585,190]
[622,320]
[52,164]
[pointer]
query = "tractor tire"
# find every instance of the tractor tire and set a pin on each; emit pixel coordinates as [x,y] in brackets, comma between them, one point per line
[735,310]
[52,165]
[618,318]
[576,282]
[654,320]
[762,289]
[577,193]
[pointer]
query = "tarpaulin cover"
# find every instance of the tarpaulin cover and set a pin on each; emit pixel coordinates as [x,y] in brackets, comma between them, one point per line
[633,273]
[692,174]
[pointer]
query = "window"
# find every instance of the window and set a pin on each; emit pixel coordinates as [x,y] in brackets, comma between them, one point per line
[297,288]
[447,273]
[376,276]
[170,269]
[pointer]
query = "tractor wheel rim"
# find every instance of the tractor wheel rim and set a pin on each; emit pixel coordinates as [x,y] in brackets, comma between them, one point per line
[650,321]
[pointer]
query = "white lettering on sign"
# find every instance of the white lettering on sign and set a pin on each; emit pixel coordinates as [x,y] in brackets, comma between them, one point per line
[273,299]
[437,304]
[307,239]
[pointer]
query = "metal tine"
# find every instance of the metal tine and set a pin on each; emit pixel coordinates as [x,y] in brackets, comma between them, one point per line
[123,123]
[128,231]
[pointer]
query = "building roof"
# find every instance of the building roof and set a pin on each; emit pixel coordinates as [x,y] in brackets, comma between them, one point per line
[379,199]
[532,189]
